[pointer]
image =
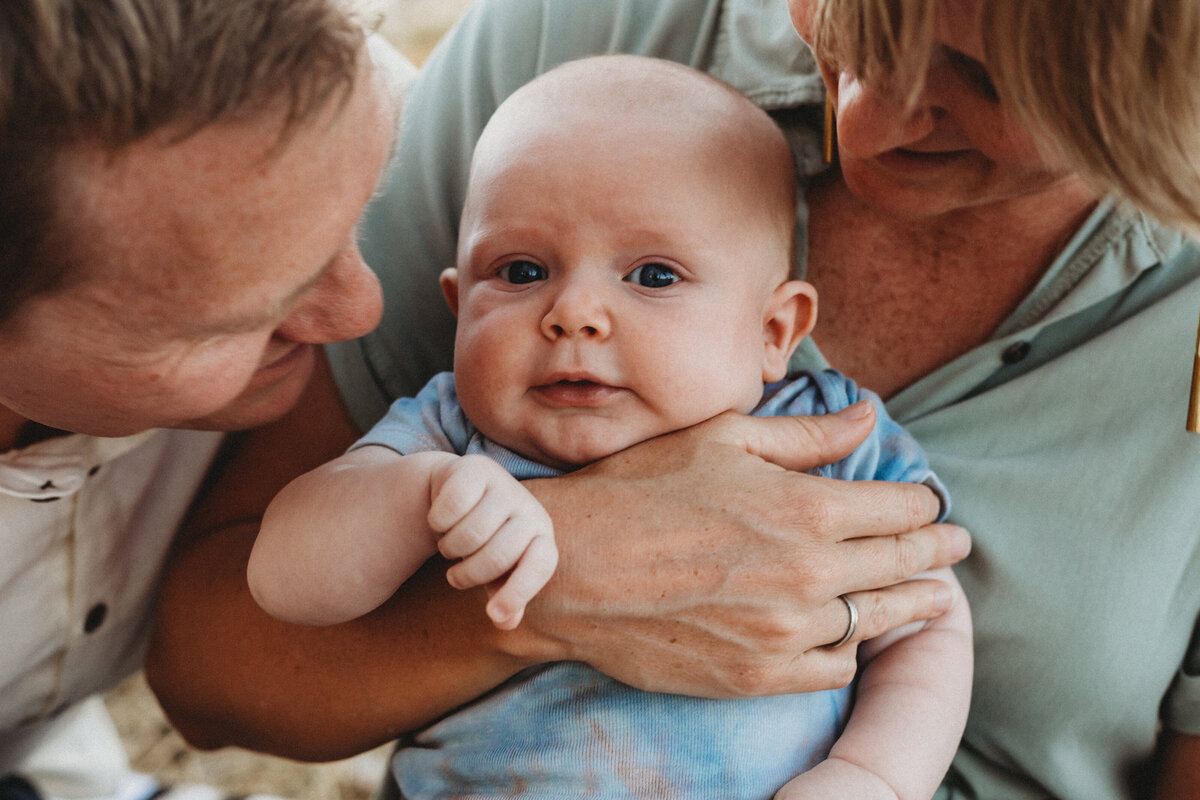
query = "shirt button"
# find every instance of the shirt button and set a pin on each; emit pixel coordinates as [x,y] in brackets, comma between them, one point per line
[14,787]
[1015,352]
[95,617]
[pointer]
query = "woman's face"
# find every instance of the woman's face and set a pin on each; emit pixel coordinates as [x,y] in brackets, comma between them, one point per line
[955,149]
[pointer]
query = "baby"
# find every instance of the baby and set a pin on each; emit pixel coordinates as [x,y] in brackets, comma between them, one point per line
[622,272]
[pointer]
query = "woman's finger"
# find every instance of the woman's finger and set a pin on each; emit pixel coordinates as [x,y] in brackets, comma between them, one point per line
[880,561]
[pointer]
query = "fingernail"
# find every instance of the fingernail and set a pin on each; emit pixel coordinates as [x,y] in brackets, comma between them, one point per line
[962,543]
[856,411]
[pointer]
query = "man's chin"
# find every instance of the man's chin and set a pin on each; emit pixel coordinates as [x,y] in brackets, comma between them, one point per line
[257,405]
[236,418]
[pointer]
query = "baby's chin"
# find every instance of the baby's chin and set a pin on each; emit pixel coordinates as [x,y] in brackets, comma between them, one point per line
[571,455]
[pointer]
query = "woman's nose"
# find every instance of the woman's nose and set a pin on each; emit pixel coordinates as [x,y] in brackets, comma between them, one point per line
[874,118]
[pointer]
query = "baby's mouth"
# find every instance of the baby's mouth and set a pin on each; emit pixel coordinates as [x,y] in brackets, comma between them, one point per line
[576,392]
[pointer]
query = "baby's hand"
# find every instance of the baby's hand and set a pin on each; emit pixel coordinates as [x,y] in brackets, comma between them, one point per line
[498,529]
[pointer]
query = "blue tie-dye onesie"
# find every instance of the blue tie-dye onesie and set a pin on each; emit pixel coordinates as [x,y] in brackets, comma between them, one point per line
[564,731]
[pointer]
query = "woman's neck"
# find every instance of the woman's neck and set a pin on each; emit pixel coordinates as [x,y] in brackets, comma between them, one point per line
[901,297]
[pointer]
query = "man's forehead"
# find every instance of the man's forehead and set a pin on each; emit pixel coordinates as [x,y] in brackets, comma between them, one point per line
[162,214]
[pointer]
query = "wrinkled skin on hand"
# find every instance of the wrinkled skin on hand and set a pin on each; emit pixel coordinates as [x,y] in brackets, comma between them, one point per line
[703,563]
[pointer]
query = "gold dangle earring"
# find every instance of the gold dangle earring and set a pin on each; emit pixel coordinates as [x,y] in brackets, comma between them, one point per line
[1193,418]
[830,125]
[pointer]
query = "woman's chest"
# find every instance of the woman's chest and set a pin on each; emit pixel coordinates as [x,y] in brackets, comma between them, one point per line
[1081,495]
[894,306]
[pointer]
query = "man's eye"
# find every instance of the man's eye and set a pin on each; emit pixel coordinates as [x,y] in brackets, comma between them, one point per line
[522,272]
[653,276]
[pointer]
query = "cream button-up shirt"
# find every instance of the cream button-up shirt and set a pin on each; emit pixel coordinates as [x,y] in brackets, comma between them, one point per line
[85,526]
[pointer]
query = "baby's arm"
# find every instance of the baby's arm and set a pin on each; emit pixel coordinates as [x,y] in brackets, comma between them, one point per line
[338,541]
[909,713]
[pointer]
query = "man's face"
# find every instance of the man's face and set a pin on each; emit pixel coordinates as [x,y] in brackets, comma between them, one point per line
[208,268]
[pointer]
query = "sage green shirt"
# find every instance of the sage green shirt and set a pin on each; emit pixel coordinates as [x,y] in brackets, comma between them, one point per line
[1061,439]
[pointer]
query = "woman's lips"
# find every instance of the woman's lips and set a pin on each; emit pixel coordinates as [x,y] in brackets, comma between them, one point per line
[902,160]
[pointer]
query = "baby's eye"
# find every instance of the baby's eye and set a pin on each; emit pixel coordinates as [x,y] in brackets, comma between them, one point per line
[653,276]
[522,272]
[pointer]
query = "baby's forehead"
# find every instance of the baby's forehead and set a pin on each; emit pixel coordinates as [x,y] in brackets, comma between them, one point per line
[620,86]
[618,113]
[620,106]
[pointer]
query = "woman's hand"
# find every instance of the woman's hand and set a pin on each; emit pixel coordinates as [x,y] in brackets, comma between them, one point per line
[690,563]
[704,563]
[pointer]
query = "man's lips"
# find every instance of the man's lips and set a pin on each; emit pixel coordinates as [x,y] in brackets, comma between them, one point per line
[293,353]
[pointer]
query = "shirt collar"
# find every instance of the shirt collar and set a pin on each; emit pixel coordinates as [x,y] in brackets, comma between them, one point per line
[758,52]
[58,467]
[1113,247]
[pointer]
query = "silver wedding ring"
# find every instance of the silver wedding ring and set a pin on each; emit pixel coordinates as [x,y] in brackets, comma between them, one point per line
[853,626]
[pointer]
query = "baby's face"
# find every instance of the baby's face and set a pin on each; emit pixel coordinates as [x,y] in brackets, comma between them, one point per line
[604,301]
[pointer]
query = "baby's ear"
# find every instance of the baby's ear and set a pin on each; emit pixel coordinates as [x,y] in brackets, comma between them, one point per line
[790,314]
[449,281]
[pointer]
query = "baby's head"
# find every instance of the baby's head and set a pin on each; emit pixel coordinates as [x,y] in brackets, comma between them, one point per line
[623,260]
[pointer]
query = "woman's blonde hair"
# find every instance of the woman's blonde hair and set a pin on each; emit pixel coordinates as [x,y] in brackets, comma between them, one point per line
[116,71]
[1110,87]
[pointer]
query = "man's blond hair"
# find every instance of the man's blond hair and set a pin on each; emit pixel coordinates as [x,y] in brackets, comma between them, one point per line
[116,71]
[1112,87]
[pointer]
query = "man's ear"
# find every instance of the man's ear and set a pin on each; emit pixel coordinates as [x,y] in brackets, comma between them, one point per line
[790,314]
[449,281]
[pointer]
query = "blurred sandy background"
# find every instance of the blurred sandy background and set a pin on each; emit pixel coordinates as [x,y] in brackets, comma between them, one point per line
[415,27]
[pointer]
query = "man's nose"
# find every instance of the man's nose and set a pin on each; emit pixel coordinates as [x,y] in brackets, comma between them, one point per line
[344,304]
